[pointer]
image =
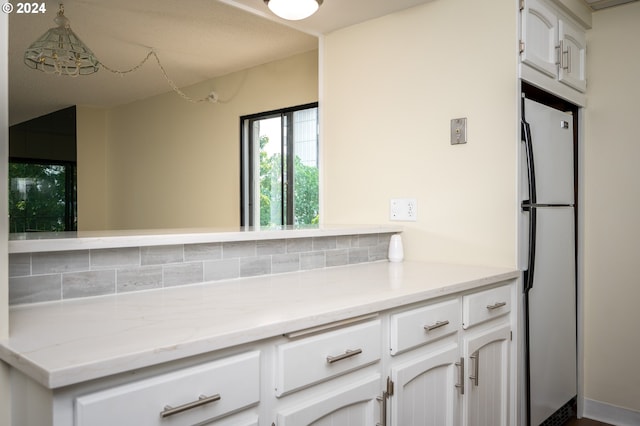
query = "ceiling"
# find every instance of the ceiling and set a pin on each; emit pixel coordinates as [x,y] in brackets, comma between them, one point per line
[196,40]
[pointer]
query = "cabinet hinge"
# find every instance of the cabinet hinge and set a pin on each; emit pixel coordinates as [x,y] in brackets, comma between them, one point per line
[511,336]
[389,387]
[521,46]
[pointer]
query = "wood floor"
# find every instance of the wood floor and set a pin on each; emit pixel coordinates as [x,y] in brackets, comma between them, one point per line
[585,422]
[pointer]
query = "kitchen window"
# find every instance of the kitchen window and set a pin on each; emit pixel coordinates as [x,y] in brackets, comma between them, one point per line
[279,178]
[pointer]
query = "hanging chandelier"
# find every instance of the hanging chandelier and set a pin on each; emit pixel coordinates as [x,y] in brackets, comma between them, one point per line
[60,51]
[293,10]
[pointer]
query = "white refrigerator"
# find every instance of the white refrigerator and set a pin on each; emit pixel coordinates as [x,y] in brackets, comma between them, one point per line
[549,244]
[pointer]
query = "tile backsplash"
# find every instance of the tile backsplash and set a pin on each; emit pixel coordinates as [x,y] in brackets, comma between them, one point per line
[49,276]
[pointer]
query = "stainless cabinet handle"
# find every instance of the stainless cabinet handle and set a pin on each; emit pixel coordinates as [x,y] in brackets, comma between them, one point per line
[461,384]
[348,354]
[383,409]
[438,324]
[476,366]
[202,400]
[496,305]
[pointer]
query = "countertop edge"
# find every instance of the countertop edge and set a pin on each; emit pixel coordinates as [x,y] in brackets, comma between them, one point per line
[48,242]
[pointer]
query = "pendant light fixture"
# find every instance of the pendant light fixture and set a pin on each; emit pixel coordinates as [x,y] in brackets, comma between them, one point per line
[293,10]
[60,51]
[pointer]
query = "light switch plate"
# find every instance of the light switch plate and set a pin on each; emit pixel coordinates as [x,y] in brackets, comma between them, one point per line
[458,131]
[403,209]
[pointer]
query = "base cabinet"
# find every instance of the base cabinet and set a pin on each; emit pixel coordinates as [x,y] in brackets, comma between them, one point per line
[486,401]
[354,405]
[426,390]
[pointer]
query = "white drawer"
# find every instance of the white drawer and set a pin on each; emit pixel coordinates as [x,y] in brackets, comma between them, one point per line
[313,359]
[423,325]
[235,379]
[485,305]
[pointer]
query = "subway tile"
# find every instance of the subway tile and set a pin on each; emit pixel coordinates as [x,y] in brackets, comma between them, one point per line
[254,266]
[205,251]
[37,288]
[378,252]
[183,273]
[115,257]
[160,255]
[299,245]
[59,261]
[225,269]
[337,257]
[235,249]
[312,260]
[89,283]
[288,262]
[19,264]
[324,243]
[346,241]
[265,247]
[358,255]
[140,278]
[367,240]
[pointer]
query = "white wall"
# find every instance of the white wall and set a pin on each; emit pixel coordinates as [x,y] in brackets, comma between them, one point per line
[390,88]
[168,163]
[4,221]
[612,206]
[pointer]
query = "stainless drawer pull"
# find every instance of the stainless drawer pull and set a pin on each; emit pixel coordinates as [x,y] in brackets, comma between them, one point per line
[202,400]
[496,305]
[476,367]
[438,324]
[348,354]
[461,384]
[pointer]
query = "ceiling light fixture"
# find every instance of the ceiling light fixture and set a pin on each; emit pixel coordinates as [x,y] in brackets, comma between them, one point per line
[60,51]
[293,10]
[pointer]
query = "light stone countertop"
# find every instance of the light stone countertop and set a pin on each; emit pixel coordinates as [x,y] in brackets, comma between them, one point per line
[86,240]
[68,342]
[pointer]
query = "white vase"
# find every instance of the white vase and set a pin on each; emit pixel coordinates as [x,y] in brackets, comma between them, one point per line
[396,252]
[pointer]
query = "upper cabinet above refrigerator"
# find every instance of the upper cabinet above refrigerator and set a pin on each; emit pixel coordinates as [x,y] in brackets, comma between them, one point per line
[552,49]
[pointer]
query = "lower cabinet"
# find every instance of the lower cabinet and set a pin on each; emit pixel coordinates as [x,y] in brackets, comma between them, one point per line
[487,395]
[353,405]
[426,390]
[460,377]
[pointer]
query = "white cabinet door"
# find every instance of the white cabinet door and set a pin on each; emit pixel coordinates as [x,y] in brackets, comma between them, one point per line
[486,401]
[425,391]
[353,405]
[540,37]
[573,51]
[554,46]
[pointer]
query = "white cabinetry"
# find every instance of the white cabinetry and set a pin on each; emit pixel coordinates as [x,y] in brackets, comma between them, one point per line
[553,47]
[311,358]
[461,373]
[486,347]
[187,396]
[444,362]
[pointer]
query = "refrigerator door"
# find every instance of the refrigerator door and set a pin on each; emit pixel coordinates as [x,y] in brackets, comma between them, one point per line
[552,314]
[552,136]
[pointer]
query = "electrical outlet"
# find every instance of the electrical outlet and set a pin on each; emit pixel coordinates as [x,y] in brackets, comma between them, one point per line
[403,209]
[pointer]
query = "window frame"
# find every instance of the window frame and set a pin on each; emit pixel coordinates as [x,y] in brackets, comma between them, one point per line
[248,156]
